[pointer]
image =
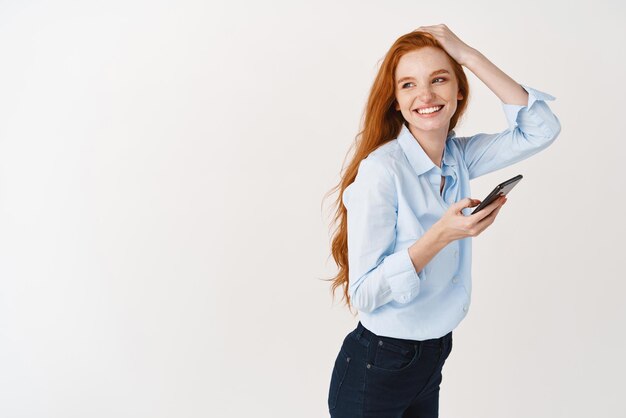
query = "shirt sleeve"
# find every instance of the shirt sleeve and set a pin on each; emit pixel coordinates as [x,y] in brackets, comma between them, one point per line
[532,128]
[378,273]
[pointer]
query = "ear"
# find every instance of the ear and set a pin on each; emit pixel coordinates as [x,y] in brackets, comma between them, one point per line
[397,105]
[459,96]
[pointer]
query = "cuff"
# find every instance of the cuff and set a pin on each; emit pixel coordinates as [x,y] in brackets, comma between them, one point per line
[511,111]
[401,276]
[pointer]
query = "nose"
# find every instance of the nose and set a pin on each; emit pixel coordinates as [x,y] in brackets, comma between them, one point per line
[425,94]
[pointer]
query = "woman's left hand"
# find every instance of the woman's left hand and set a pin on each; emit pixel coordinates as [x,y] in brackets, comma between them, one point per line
[455,47]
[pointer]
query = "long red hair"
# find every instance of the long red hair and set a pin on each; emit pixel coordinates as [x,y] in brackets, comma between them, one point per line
[381,124]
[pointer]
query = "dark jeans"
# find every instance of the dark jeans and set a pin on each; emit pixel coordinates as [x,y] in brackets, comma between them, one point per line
[384,377]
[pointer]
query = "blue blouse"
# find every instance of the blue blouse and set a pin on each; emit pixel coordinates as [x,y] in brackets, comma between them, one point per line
[395,198]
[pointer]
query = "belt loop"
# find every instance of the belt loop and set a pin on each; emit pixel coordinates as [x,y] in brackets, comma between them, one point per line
[359,331]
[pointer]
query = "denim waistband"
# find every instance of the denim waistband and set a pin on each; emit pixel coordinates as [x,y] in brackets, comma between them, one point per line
[361,331]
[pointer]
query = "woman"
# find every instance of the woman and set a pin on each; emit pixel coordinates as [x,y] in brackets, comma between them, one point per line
[403,244]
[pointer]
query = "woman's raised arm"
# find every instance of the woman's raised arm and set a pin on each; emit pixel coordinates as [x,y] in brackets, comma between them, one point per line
[503,86]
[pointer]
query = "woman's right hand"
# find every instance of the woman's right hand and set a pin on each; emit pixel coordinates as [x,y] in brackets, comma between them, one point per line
[455,225]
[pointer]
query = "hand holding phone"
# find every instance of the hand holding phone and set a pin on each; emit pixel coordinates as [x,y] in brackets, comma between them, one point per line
[455,225]
[500,190]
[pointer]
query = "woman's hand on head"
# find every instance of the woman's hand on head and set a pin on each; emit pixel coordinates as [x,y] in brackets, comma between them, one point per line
[455,225]
[455,47]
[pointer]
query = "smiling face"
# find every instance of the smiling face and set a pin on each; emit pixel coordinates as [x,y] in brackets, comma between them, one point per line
[425,80]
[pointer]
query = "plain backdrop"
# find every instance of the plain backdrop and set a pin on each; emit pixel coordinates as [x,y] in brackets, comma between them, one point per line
[163,232]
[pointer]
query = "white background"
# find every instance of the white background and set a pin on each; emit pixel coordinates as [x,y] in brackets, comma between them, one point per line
[163,233]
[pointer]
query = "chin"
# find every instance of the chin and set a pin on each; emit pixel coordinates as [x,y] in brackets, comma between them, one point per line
[431,127]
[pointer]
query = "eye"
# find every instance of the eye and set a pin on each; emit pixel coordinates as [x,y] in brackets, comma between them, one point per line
[438,78]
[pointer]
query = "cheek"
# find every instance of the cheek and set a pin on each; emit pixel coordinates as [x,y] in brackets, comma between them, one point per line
[404,105]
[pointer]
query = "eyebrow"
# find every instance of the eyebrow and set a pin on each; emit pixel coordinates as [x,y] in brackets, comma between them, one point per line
[440,71]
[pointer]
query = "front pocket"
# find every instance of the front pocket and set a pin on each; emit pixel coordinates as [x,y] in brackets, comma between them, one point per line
[342,362]
[394,357]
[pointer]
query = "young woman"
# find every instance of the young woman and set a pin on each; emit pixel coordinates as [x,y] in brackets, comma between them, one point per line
[403,244]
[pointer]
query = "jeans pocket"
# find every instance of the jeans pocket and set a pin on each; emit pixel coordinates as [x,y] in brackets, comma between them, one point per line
[342,362]
[391,356]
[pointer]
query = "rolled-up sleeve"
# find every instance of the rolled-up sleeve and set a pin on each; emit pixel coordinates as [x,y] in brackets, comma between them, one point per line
[532,128]
[378,273]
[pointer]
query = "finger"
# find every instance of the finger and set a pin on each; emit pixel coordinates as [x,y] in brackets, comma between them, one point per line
[488,220]
[493,214]
[497,201]
[467,202]
[487,210]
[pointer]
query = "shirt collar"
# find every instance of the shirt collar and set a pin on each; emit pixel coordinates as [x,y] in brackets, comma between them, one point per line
[416,155]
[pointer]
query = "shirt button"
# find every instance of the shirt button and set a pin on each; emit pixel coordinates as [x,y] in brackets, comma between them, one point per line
[456,253]
[455,279]
[465,308]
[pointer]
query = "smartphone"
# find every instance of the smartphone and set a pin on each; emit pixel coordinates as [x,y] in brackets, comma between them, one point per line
[500,190]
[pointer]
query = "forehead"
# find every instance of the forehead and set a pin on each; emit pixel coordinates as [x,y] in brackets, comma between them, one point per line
[422,62]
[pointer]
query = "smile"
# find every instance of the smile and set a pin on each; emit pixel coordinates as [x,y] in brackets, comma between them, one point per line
[429,111]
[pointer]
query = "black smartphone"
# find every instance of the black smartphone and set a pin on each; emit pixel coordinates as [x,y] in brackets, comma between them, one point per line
[500,190]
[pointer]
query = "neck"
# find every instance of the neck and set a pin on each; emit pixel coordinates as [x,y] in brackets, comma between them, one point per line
[433,142]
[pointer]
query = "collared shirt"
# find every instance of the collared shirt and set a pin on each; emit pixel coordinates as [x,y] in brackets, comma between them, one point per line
[396,197]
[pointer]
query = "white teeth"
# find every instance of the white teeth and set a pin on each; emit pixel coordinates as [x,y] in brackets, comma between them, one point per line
[429,110]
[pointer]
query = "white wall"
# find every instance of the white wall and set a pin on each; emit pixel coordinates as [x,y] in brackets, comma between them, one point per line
[162,239]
